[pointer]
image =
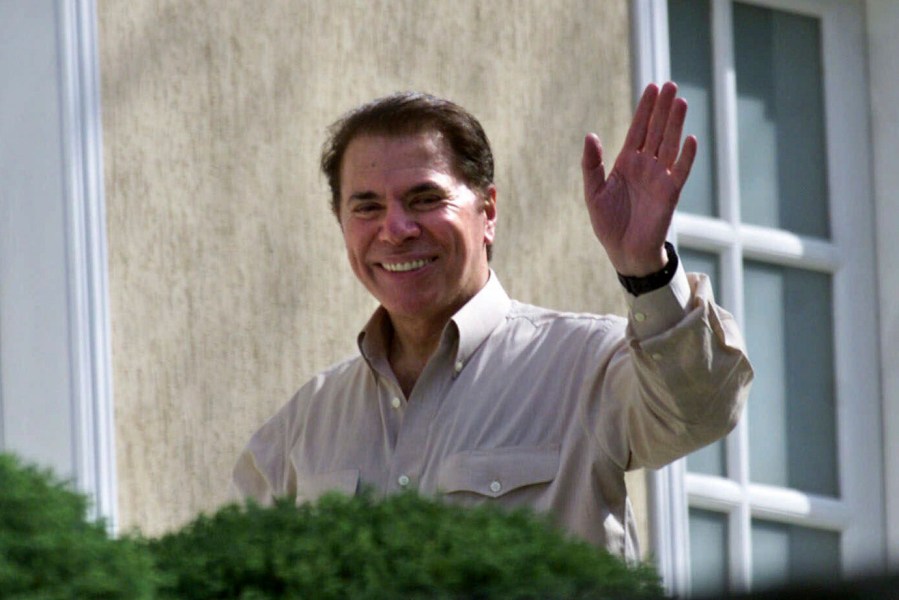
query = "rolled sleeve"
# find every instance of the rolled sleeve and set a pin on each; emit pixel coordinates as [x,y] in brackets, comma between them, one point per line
[689,365]
[659,310]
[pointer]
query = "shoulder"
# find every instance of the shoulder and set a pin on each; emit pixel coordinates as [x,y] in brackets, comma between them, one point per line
[540,318]
[339,373]
[324,385]
[323,388]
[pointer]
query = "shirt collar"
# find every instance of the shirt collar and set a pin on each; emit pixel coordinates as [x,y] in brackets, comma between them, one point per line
[479,317]
[471,324]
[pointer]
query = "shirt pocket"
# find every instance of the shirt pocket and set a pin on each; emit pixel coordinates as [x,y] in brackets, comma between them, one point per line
[310,487]
[496,472]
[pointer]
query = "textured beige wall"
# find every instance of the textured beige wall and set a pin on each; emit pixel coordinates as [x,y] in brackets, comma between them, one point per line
[228,283]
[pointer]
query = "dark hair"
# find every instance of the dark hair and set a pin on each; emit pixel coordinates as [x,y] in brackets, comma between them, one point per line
[407,113]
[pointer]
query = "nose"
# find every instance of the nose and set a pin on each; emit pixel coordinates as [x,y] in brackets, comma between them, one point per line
[399,224]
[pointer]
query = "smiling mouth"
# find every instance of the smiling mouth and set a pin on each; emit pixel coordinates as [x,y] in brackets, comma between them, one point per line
[407,266]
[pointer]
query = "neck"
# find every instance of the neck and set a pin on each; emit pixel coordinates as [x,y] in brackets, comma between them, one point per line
[411,346]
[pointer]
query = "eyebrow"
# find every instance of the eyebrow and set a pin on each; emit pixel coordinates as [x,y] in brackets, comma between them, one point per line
[427,186]
[362,196]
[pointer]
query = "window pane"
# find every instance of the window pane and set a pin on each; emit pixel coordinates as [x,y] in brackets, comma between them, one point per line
[784,554]
[711,459]
[789,333]
[697,261]
[780,120]
[691,67]
[708,552]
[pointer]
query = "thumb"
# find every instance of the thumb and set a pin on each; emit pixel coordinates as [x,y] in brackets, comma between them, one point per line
[591,163]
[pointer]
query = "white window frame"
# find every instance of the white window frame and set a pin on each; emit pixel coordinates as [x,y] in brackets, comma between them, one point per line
[883,70]
[75,351]
[849,256]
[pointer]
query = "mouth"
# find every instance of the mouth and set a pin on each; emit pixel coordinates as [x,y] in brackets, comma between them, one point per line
[404,267]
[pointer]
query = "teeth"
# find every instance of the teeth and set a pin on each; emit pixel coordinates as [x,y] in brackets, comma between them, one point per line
[405,266]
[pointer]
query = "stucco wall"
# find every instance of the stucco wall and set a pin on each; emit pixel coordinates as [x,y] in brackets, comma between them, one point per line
[228,282]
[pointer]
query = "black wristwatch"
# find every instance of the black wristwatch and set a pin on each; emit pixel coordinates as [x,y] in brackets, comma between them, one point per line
[642,285]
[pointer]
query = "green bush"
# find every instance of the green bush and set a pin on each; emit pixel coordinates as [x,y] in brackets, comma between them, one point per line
[49,550]
[340,547]
[402,547]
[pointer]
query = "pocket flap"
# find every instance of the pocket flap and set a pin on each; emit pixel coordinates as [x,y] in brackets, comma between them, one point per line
[310,487]
[498,471]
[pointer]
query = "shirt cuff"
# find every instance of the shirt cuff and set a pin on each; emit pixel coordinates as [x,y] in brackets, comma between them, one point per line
[657,311]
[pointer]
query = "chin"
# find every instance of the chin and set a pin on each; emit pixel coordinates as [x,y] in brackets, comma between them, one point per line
[418,306]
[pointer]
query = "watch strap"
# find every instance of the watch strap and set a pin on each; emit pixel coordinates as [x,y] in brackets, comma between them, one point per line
[643,285]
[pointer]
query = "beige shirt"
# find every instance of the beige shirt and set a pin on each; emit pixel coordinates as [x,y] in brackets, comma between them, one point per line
[521,406]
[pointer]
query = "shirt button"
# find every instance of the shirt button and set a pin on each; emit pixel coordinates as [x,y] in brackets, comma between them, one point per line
[395,402]
[495,486]
[458,366]
[639,317]
[403,480]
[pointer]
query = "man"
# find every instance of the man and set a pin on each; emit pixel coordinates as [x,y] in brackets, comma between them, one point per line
[463,392]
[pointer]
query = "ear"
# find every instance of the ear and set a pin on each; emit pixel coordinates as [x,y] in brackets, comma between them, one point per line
[490,214]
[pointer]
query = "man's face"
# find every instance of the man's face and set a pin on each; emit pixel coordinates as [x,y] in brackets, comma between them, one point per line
[415,234]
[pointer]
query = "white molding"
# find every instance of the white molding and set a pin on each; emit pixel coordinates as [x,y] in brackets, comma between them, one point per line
[768,502]
[649,43]
[757,243]
[668,512]
[856,359]
[883,50]
[92,403]
[669,529]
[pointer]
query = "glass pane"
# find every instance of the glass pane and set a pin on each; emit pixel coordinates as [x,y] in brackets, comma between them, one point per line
[783,554]
[791,408]
[691,67]
[708,552]
[780,120]
[698,261]
[711,459]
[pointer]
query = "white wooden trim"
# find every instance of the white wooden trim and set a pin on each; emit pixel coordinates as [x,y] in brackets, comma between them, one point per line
[758,243]
[669,527]
[768,502]
[649,43]
[92,410]
[724,89]
[855,309]
[668,516]
[883,50]
[788,249]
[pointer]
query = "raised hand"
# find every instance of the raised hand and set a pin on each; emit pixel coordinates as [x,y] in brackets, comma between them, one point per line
[632,208]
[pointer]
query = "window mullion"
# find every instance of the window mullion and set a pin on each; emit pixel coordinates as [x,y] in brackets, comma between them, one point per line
[725,107]
[725,103]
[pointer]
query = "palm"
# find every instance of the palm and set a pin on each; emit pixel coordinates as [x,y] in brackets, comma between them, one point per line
[631,209]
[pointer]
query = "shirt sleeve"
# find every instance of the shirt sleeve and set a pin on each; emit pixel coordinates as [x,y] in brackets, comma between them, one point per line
[680,379]
[261,472]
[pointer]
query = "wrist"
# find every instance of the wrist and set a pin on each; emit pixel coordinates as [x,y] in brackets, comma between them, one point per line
[630,265]
[652,280]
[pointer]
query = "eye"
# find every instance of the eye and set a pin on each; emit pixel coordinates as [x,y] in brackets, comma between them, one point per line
[426,201]
[365,209]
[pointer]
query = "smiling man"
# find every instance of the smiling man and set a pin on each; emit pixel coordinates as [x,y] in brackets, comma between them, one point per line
[459,390]
[416,236]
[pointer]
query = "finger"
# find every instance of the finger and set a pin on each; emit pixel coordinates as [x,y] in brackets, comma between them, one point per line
[681,169]
[591,164]
[636,135]
[659,119]
[673,130]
